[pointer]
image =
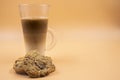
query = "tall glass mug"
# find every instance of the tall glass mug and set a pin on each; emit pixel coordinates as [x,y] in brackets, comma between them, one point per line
[34,19]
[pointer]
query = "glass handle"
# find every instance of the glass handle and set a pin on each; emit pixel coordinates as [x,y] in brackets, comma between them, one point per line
[52,43]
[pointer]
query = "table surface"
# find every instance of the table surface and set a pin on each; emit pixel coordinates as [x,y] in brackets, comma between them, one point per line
[78,54]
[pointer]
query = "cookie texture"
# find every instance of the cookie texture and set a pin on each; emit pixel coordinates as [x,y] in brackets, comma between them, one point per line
[34,65]
[18,66]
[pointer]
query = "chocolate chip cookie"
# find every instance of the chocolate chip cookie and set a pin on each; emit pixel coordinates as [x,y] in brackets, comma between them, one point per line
[34,64]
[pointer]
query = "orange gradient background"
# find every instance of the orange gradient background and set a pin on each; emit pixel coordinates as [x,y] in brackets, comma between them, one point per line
[65,12]
[87,33]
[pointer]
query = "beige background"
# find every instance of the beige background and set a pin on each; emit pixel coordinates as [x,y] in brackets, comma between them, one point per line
[65,11]
[88,39]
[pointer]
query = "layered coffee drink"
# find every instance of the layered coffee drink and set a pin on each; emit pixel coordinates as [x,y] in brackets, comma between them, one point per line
[35,31]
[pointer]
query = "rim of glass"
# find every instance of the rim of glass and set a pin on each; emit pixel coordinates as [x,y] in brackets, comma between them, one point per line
[45,5]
